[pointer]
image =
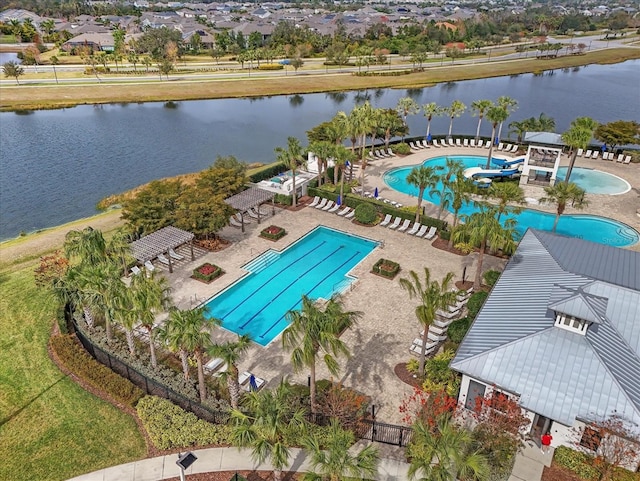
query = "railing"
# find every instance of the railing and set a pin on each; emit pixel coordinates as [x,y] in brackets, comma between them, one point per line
[384,433]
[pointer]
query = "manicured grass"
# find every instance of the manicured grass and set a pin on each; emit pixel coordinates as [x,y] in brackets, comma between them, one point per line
[183,88]
[51,429]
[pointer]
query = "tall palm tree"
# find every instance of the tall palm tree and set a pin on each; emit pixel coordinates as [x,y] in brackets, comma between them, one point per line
[544,123]
[391,125]
[561,194]
[88,245]
[461,189]
[292,157]
[407,106]
[496,114]
[341,157]
[456,109]
[430,111]
[119,247]
[231,352]
[313,332]
[578,137]
[323,150]
[433,295]
[333,462]
[54,61]
[506,193]
[508,103]
[266,424]
[422,177]
[482,228]
[479,107]
[445,453]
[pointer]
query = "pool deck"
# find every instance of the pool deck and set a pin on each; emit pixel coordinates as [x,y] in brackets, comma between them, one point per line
[382,338]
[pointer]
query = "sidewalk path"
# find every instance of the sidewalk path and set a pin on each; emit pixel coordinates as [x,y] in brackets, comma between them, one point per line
[219,459]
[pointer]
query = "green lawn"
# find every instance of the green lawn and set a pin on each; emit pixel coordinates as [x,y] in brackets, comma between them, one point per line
[50,428]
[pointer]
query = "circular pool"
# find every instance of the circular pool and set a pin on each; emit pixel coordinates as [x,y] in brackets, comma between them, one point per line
[589,227]
[595,181]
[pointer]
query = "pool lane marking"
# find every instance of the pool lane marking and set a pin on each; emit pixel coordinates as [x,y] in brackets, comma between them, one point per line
[310,291]
[289,285]
[272,278]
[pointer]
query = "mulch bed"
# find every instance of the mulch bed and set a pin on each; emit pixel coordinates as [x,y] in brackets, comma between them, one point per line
[229,476]
[208,282]
[443,245]
[213,245]
[555,473]
[405,376]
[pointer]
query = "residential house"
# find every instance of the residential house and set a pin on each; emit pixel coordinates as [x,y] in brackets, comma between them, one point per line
[559,333]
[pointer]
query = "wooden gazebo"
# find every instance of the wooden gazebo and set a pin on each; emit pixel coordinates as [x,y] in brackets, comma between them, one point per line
[159,242]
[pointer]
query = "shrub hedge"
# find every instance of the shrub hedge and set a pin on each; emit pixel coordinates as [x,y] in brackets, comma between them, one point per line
[170,426]
[74,358]
[283,199]
[491,277]
[268,172]
[401,148]
[212,271]
[581,464]
[390,268]
[366,214]
[270,66]
[475,303]
[458,329]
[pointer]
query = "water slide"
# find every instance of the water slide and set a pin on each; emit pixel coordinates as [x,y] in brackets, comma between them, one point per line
[483,176]
[506,161]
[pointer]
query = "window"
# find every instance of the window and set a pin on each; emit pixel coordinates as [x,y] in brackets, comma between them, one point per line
[475,391]
[591,439]
[571,323]
[499,401]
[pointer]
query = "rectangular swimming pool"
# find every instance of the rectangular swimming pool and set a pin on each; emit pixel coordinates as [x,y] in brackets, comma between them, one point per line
[316,265]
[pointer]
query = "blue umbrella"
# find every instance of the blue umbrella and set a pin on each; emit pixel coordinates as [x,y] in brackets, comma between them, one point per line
[339,201]
[429,138]
[604,147]
[497,141]
[347,164]
[253,386]
[375,193]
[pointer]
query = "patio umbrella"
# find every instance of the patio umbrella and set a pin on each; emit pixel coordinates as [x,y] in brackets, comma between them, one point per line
[339,201]
[375,193]
[497,141]
[604,147]
[429,138]
[253,386]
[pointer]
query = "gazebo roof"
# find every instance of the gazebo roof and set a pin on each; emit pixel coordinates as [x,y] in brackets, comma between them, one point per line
[159,242]
[549,138]
[249,198]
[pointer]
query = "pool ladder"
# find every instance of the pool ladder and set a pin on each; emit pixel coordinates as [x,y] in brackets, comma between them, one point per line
[262,261]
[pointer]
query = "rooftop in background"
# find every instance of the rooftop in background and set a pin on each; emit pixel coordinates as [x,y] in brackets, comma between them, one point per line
[548,138]
[515,344]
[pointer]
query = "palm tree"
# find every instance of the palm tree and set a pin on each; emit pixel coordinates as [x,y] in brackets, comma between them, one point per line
[391,124]
[12,69]
[88,245]
[422,177]
[445,453]
[407,106]
[292,158]
[230,352]
[323,150]
[461,189]
[562,193]
[341,157]
[431,110]
[456,109]
[479,107]
[496,115]
[545,123]
[313,332]
[432,296]
[266,425]
[334,462]
[54,61]
[508,103]
[481,229]
[578,137]
[506,193]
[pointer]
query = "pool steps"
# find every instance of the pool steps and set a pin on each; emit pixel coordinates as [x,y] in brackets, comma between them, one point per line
[262,261]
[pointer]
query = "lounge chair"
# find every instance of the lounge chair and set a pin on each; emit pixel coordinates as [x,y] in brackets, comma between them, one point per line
[163,259]
[514,149]
[380,154]
[213,365]
[487,144]
[620,158]
[387,219]
[243,218]
[370,155]
[234,222]
[580,152]
[405,225]
[413,146]
[431,345]
[500,146]
[135,270]
[334,208]
[465,143]
[253,213]
[416,227]
[390,153]
[174,255]
[322,203]
[588,153]
[595,154]
[344,211]
[350,215]
[244,378]
[422,231]
[149,266]
[396,223]
[416,350]
[316,199]
[627,159]
[435,143]
[431,233]
[458,143]
[472,142]
[329,205]
[447,314]
[450,142]
[423,144]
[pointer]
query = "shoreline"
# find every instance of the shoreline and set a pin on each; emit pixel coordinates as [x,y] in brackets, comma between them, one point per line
[50,96]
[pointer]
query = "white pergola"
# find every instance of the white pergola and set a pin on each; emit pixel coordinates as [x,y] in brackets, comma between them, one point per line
[159,242]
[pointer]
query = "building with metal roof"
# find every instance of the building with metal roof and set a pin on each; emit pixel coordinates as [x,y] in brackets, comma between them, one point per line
[560,332]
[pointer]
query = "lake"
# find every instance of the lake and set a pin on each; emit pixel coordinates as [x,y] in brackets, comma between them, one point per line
[56,165]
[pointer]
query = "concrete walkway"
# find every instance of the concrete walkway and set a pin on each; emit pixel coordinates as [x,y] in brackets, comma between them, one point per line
[219,459]
[530,462]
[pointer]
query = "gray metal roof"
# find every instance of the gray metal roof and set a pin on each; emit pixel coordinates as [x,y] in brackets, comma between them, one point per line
[543,138]
[159,242]
[558,373]
[249,198]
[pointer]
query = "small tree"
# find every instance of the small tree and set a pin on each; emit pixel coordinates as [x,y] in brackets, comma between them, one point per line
[561,194]
[12,69]
[297,63]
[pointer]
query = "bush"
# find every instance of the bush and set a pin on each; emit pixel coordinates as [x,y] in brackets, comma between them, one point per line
[74,358]
[576,462]
[366,214]
[491,277]
[458,329]
[273,232]
[283,199]
[170,426]
[207,272]
[386,268]
[270,66]
[402,149]
[445,234]
[268,172]
[475,303]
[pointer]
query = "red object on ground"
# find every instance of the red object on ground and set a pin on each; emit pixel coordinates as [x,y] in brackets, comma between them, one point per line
[546,439]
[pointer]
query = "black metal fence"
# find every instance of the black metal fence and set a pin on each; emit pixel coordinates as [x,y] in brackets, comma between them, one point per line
[364,429]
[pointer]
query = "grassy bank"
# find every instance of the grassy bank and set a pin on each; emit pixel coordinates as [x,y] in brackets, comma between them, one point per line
[51,429]
[183,88]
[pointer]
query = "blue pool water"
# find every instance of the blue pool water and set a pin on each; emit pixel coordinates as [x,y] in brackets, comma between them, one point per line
[588,227]
[315,265]
[595,181]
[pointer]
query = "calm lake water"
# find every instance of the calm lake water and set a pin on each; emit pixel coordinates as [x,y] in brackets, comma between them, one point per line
[8,57]
[56,165]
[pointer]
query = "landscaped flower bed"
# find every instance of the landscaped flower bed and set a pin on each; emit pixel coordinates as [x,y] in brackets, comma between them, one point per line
[386,268]
[207,272]
[273,232]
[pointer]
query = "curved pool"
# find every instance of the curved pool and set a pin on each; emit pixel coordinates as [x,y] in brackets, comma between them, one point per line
[588,227]
[595,181]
